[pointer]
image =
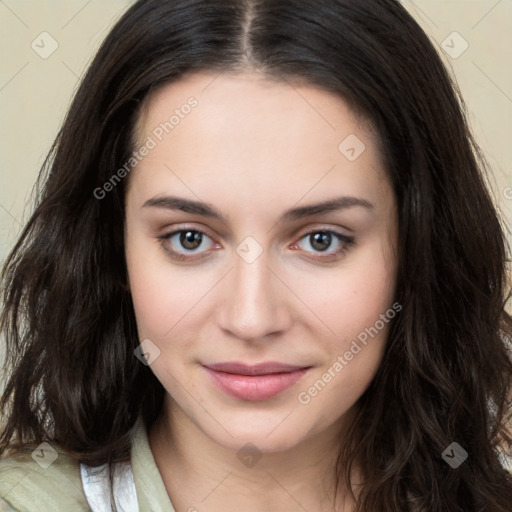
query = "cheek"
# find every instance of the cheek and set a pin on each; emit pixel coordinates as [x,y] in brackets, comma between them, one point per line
[351,298]
[356,305]
[163,301]
[163,294]
[355,355]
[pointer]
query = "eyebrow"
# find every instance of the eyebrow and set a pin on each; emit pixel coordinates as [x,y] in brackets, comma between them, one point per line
[300,212]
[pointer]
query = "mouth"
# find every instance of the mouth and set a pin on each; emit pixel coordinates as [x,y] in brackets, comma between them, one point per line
[254,382]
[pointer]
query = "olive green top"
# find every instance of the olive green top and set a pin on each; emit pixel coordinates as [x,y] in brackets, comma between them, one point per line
[27,486]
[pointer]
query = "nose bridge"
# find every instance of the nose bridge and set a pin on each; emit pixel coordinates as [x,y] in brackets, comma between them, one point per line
[251,306]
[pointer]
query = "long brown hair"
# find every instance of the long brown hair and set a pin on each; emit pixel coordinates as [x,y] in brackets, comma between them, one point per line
[446,375]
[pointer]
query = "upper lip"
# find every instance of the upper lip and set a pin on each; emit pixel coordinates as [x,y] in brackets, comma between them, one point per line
[256,369]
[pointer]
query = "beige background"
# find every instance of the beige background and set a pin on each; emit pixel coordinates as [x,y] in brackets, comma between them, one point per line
[35,92]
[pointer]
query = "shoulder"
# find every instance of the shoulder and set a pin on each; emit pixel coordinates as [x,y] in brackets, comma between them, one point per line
[43,479]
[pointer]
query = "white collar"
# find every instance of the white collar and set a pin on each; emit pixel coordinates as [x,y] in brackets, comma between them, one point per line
[96,488]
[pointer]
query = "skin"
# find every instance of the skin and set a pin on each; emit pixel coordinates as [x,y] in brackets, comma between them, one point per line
[254,148]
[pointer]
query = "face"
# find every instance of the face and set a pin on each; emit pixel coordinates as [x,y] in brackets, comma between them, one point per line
[260,242]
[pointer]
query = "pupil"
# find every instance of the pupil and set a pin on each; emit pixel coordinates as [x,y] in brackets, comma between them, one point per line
[321,241]
[190,239]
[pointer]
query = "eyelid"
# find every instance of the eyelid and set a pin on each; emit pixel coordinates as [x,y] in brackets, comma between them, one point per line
[179,229]
[322,227]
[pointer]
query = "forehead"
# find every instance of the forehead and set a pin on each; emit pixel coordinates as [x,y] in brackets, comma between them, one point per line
[249,93]
[250,132]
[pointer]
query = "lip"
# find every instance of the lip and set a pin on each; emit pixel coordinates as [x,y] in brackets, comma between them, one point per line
[254,382]
[266,368]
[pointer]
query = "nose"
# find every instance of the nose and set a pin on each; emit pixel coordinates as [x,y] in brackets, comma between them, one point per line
[253,301]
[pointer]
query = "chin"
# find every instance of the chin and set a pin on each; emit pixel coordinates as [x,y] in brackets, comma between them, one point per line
[267,440]
[264,445]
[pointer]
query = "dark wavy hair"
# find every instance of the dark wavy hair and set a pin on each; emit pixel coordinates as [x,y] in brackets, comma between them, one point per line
[68,319]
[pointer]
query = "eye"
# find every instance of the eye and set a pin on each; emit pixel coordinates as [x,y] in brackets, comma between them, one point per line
[321,240]
[185,244]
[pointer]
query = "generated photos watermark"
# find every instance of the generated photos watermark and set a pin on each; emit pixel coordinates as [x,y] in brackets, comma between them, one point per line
[157,135]
[304,397]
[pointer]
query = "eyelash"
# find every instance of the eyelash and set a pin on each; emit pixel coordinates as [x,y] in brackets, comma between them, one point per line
[345,241]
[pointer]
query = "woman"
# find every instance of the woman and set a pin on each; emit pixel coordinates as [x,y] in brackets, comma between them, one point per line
[264,273]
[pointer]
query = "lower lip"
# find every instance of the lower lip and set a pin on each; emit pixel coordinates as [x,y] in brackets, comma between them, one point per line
[257,387]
